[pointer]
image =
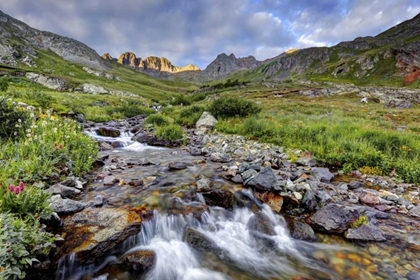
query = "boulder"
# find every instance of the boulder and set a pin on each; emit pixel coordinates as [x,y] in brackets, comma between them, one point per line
[108,132]
[49,82]
[177,165]
[323,174]
[94,231]
[309,201]
[64,191]
[273,200]
[398,104]
[300,230]
[333,218]
[220,157]
[139,260]
[264,180]
[366,232]
[206,120]
[65,206]
[201,242]
[261,222]
[222,198]
[93,89]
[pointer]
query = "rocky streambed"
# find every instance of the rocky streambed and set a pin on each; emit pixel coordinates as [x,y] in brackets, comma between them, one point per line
[223,207]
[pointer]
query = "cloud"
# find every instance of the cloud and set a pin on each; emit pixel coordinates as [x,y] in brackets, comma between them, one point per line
[197,31]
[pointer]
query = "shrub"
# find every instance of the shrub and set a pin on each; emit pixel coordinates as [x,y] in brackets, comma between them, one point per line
[172,132]
[231,106]
[20,240]
[158,120]
[190,115]
[181,99]
[260,128]
[44,100]
[13,120]
[4,84]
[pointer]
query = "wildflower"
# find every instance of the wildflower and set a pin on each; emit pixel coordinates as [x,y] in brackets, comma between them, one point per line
[12,188]
[61,146]
[17,190]
[44,123]
[21,186]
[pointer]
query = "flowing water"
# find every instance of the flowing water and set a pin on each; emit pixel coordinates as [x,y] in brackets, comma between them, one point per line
[241,253]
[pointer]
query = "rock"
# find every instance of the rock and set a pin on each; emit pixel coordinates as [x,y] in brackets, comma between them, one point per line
[139,260]
[309,200]
[333,218]
[366,232]
[368,198]
[413,275]
[108,132]
[118,144]
[249,174]
[322,174]
[355,185]
[73,182]
[415,212]
[195,151]
[300,230]
[65,206]
[273,200]
[64,191]
[237,179]
[93,89]
[222,198]
[98,201]
[264,180]
[220,157]
[49,82]
[261,222]
[206,120]
[200,242]
[104,146]
[204,184]
[93,232]
[398,104]
[110,180]
[177,165]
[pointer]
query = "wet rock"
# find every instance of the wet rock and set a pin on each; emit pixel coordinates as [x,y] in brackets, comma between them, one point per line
[98,201]
[206,120]
[366,232]
[415,212]
[177,206]
[309,201]
[300,230]
[413,275]
[249,174]
[322,174]
[65,206]
[136,183]
[177,165]
[273,200]
[140,260]
[264,180]
[237,179]
[195,151]
[108,132]
[261,222]
[222,198]
[201,242]
[104,146]
[220,157]
[118,144]
[204,184]
[110,180]
[64,191]
[333,218]
[94,231]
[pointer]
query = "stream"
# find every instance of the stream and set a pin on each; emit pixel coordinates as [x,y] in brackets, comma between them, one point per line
[194,241]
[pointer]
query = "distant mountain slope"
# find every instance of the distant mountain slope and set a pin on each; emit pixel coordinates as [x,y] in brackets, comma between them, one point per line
[393,54]
[150,63]
[19,42]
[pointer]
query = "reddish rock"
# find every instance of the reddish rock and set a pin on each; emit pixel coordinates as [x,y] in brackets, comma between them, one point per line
[410,78]
[273,200]
[369,199]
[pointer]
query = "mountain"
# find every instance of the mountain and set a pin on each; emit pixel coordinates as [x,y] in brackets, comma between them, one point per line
[389,57]
[224,65]
[150,63]
[19,42]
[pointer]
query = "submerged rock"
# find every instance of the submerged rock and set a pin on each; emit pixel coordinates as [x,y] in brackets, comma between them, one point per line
[367,232]
[140,260]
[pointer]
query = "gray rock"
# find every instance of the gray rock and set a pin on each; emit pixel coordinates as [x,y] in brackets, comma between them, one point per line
[413,275]
[261,222]
[201,242]
[323,174]
[206,120]
[49,82]
[93,89]
[65,206]
[309,201]
[366,232]
[301,231]
[104,146]
[415,211]
[264,180]
[204,184]
[177,165]
[139,260]
[64,191]
[110,180]
[398,104]
[220,157]
[333,218]
[355,185]
[98,201]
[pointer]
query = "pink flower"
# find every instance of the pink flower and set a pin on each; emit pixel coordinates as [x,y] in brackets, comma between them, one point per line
[12,188]
[17,190]
[21,186]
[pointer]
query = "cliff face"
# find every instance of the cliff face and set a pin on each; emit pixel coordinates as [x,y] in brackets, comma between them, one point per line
[30,40]
[224,65]
[152,63]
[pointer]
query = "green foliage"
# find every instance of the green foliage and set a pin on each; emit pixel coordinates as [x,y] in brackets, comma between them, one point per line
[259,128]
[190,115]
[4,84]
[13,120]
[44,100]
[48,145]
[232,106]
[20,240]
[158,120]
[361,220]
[130,109]
[181,99]
[25,201]
[172,132]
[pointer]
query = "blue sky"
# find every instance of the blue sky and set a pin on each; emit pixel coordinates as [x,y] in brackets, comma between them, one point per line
[196,31]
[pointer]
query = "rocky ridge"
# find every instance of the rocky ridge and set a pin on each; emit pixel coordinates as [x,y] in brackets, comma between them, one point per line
[31,40]
[150,63]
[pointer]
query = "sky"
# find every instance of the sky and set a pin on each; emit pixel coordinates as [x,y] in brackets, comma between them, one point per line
[196,31]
